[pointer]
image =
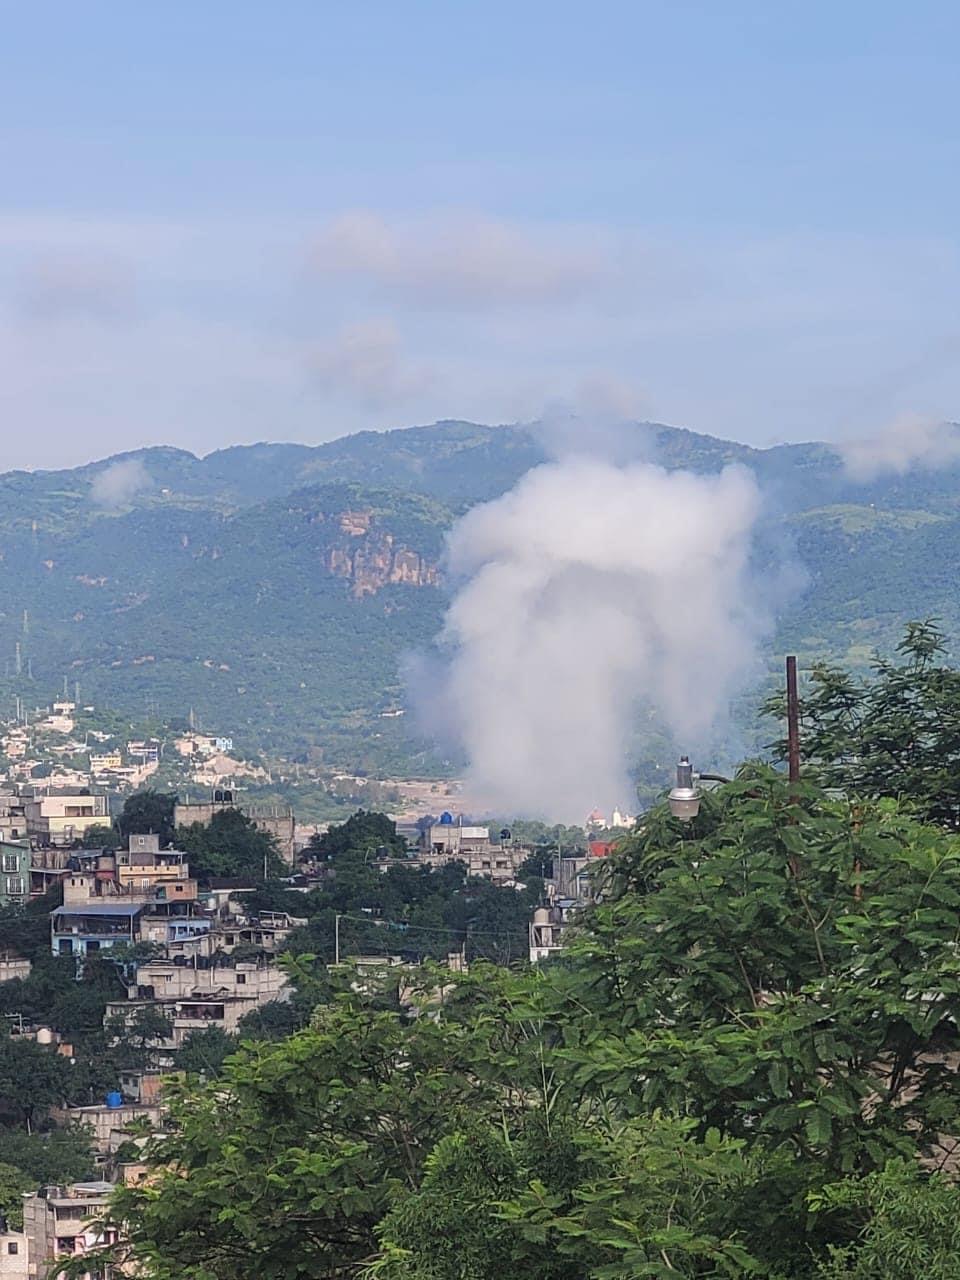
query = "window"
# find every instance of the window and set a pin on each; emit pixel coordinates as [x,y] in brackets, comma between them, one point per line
[241,979]
[15,886]
[10,861]
[13,1247]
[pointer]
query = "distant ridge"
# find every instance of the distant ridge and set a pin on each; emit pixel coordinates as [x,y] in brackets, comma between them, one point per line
[277,587]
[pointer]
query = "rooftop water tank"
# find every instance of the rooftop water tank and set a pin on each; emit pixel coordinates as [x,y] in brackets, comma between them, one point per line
[446,819]
[114,1099]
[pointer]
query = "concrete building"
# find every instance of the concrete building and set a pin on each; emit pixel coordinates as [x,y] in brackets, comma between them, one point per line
[548,926]
[14,1254]
[144,868]
[195,998]
[189,1014]
[13,967]
[276,820]
[247,980]
[96,926]
[14,872]
[109,1122]
[64,1222]
[269,930]
[13,820]
[450,840]
[61,818]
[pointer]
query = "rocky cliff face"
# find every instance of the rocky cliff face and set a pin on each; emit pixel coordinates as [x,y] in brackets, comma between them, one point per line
[376,559]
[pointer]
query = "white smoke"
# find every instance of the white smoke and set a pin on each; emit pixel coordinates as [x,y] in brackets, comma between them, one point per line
[910,442]
[118,483]
[590,589]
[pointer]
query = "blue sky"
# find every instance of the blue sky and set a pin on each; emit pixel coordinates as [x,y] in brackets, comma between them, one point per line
[225,222]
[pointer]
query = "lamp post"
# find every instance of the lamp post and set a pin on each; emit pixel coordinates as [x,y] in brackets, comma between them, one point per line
[684,798]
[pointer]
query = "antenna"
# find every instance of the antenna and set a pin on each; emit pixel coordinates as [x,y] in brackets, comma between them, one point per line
[18,659]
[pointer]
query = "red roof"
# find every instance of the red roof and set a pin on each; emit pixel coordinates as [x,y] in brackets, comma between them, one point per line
[600,848]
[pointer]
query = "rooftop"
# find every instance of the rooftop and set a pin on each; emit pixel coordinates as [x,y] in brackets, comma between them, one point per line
[102,909]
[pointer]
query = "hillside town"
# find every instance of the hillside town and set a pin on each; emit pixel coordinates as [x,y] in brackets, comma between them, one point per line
[193,954]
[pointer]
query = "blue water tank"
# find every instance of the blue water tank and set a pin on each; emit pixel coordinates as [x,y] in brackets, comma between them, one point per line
[446,819]
[114,1099]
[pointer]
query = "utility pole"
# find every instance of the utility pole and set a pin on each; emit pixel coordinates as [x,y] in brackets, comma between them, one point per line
[18,659]
[793,721]
[336,938]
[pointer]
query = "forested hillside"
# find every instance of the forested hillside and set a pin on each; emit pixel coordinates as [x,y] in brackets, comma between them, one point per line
[276,588]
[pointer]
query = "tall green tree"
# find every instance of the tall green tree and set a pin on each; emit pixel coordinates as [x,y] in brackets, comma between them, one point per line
[230,844]
[895,734]
[148,811]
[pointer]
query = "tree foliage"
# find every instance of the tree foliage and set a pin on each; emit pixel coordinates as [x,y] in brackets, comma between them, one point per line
[896,734]
[230,844]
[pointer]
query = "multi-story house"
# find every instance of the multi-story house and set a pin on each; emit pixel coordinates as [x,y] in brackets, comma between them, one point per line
[59,817]
[14,872]
[14,1254]
[64,1222]
[195,998]
[141,894]
[85,927]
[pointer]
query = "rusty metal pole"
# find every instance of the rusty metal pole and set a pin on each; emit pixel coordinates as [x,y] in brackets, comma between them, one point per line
[793,721]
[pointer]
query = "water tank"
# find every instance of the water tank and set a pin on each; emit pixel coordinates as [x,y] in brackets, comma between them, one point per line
[541,915]
[446,819]
[114,1099]
[44,1036]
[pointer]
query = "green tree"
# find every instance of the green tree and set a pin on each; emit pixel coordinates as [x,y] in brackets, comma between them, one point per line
[783,951]
[230,844]
[204,1052]
[101,836]
[32,1080]
[50,1155]
[896,734]
[909,1226]
[364,833]
[13,1183]
[292,1153]
[148,811]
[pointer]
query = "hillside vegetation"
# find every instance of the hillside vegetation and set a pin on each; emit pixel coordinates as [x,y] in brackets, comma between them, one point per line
[276,588]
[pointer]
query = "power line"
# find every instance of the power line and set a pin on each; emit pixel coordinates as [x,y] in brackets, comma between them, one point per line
[403,927]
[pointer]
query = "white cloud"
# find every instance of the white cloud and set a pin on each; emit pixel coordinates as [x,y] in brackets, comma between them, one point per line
[364,363]
[908,443]
[461,261]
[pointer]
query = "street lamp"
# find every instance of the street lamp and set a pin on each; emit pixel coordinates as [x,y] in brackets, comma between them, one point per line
[684,798]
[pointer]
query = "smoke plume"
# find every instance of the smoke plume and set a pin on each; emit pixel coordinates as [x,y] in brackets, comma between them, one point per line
[118,483]
[589,590]
[908,443]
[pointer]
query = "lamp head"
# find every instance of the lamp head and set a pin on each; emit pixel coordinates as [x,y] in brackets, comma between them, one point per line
[684,798]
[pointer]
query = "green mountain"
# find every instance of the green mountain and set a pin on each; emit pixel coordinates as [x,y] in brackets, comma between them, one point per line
[276,588]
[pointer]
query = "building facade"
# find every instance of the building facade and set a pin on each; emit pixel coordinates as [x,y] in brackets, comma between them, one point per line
[14,872]
[61,1222]
[61,818]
